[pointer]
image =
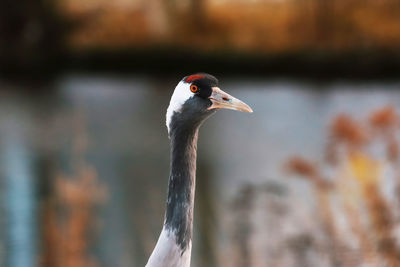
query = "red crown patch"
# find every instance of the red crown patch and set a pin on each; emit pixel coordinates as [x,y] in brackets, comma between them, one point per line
[192,78]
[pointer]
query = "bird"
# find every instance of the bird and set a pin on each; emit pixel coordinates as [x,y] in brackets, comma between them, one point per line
[195,98]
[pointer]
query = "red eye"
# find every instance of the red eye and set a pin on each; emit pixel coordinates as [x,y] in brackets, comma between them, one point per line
[194,88]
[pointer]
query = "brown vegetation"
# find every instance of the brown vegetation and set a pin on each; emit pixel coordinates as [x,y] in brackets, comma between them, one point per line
[68,218]
[268,26]
[358,184]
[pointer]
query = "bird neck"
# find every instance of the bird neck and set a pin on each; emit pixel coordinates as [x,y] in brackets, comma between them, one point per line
[181,187]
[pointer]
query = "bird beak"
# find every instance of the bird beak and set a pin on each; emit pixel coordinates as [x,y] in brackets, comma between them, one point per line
[220,100]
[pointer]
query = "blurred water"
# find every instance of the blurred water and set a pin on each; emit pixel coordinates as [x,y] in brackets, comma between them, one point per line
[123,119]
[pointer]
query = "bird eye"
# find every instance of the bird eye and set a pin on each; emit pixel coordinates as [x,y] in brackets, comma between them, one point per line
[194,88]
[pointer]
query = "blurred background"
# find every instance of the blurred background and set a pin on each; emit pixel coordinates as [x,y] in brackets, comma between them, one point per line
[311,178]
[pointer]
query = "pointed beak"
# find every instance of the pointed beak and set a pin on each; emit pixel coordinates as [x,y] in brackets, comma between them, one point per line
[220,100]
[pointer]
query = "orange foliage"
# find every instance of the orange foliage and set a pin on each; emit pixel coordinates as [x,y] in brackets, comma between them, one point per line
[384,118]
[68,217]
[301,166]
[377,238]
[67,240]
[344,129]
[308,170]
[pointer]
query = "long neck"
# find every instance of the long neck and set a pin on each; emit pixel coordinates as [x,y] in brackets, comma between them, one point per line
[174,245]
[181,187]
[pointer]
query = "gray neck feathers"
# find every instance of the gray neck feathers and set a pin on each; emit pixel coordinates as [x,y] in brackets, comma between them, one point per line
[181,187]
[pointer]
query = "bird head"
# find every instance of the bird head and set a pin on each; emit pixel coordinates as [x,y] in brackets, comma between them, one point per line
[195,98]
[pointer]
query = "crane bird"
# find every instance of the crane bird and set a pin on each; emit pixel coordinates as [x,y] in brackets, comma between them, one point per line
[195,98]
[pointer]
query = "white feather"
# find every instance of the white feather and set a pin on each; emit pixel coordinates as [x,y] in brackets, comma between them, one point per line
[167,253]
[181,94]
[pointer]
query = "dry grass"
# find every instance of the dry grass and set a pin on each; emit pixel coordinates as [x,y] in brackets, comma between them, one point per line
[68,213]
[345,130]
[354,215]
[358,182]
